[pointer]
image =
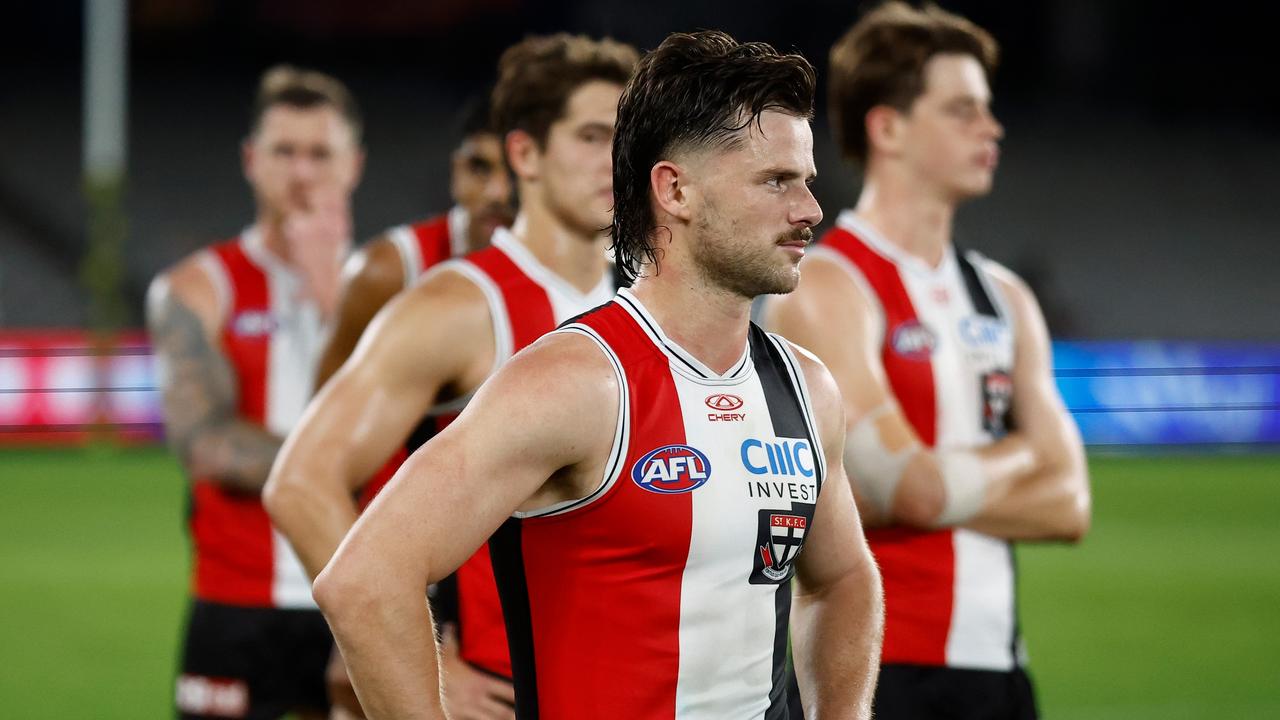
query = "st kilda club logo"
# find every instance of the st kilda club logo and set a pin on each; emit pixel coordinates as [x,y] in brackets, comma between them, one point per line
[724,408]
[778,540]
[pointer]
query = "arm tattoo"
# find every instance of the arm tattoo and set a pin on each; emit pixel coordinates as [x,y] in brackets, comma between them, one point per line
[199,389]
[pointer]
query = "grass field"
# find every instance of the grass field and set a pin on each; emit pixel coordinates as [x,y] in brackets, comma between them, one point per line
[1170,609]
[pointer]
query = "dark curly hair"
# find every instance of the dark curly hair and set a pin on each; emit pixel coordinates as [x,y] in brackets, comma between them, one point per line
[695,90]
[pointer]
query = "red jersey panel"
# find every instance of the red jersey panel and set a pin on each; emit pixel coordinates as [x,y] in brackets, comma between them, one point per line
[666,592]
[947,351]
[272,341]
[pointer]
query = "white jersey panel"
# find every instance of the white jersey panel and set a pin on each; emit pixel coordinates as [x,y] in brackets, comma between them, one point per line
[719,677]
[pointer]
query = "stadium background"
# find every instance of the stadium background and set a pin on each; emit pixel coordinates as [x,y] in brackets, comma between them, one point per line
[1137,193]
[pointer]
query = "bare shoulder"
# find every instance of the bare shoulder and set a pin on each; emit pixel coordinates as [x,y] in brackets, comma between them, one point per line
[823,391]
[377,264]
[824,283]
[188,283]
[565,365]
[444,302]
[1013,287]
[560,394]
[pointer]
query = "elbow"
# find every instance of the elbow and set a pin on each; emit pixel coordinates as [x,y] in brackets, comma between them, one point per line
[1077,520]
[281,496]
[341,594]
[918,509]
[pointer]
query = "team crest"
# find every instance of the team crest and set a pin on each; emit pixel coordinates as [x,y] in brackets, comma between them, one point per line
[997,397]
[779,540]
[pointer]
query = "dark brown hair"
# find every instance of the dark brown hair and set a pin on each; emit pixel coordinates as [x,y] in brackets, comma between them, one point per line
[537,75]
[881,60]
[695,90]
[305,89]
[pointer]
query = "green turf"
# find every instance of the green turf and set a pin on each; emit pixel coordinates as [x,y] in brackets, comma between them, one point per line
[1170,609]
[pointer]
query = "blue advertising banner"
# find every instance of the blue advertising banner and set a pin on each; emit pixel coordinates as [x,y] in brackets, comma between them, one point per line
[1166,393]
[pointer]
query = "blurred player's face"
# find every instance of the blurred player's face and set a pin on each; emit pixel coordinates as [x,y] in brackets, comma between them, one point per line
[299,155]
[952,139]
[576,163]
[752,208]
[481,184]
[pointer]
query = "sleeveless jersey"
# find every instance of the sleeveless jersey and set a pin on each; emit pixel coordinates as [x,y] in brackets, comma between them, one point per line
[666,593]
[526,300]
[424,244]
[947,350]
[272,341]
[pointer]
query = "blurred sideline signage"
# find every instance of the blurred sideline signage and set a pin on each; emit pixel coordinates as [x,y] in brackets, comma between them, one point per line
[69,386]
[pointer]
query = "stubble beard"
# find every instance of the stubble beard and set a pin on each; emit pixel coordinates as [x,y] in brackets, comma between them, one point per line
[741,268]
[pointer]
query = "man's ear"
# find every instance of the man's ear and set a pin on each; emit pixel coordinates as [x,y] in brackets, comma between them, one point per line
[524,157]
[670,186]
[885,130]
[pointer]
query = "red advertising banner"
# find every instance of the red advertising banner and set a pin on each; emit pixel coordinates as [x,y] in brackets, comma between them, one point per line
[69,386]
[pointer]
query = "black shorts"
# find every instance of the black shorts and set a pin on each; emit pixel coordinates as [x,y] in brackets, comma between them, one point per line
[258,663]
[917,692]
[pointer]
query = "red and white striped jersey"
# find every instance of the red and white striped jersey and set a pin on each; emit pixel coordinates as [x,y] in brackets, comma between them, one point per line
[947,350]
[666,592]
[526,300]
[424,244]
[272,340]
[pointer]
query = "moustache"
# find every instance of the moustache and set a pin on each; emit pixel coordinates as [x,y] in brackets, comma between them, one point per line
[804,235]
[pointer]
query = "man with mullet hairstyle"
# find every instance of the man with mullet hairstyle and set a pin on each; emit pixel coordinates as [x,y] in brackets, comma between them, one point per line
[646,538]
[957,441]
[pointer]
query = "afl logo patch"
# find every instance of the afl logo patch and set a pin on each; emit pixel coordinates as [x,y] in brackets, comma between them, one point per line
[253,323]
[672,469]
[723,402]
[913,341]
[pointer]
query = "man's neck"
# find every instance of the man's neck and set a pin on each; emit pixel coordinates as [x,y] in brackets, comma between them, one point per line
[272,232]
[710,323]
[908,216]
[576,257]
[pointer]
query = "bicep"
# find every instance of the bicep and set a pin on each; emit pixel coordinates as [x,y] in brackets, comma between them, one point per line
[197,381]
[371,405]
[520,430]
[1038,410]
[838,546]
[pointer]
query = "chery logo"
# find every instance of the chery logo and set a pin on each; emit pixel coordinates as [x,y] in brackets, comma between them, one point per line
[724,405]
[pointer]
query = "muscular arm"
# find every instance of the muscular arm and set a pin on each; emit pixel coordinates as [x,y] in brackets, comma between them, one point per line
[370,278]
[523,427]
[1052,501]
[838,610]
[436,335]
[881,440]
[198,385]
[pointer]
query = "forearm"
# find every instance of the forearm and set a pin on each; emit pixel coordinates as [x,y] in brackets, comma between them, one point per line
[939,485]
[1049,504]
[836,645]
[233,452]
[385,635]
[313,509]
